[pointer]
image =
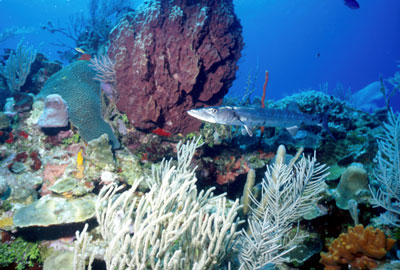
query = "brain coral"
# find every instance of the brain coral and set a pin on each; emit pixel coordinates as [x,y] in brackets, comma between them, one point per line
[172,56]
[76,86]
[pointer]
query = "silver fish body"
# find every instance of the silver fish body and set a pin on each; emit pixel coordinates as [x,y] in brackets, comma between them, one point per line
[249,117]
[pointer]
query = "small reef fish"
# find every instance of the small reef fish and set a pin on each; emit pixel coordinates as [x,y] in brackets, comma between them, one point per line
[85,56]
[353,4]
[249,117]
[80,50]
[161,132]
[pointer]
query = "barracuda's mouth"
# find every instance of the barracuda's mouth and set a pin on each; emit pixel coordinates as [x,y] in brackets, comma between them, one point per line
[202,114]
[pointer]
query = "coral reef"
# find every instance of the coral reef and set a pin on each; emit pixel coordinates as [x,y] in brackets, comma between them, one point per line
[227,171]
[355,131]
[359,248]
[171,56]
[41,70]
[99,152]
[76,86]
[158,212]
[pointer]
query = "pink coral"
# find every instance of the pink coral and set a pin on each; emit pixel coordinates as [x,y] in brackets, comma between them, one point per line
[53,171]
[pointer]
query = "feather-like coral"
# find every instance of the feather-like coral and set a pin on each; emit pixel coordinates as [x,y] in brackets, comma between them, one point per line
[387,171]
[289,191]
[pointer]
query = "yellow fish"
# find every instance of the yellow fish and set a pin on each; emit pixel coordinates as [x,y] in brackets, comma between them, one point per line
[80,50]
[79,165]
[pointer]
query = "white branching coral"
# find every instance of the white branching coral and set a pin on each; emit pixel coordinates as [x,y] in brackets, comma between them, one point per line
[289,191]
[80,250]
[387,171]
[173,226]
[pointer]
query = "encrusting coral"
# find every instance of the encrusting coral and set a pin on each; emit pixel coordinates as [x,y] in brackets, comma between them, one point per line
[359,248]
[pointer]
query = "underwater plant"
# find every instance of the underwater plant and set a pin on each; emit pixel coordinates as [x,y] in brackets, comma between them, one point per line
[387,171]
[289,191]
[18,66]
[24,254]
[173,226]
[90,30]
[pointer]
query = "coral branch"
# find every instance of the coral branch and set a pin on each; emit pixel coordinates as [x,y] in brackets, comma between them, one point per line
[263,96]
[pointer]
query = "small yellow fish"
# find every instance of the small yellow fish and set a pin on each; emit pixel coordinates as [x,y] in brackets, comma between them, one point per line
[79,165]
[79,159]
[80,50]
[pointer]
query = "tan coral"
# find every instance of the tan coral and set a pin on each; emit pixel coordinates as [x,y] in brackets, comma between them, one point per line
[359,248]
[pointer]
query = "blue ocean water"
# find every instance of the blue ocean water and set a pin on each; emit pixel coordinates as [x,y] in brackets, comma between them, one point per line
[303,44]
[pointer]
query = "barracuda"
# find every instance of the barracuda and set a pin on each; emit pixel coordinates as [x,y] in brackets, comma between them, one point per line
[249,117]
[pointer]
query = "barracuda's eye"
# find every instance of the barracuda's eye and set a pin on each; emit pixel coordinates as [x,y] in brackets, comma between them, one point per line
[213,110]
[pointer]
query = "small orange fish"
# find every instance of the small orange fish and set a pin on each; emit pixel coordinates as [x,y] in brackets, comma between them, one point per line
[161,132]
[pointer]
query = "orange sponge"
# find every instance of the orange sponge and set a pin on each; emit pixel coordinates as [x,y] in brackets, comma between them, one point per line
[359,248]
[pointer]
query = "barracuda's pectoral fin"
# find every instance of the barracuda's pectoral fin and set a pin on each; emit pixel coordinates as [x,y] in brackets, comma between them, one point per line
[248,130]
[292,130]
